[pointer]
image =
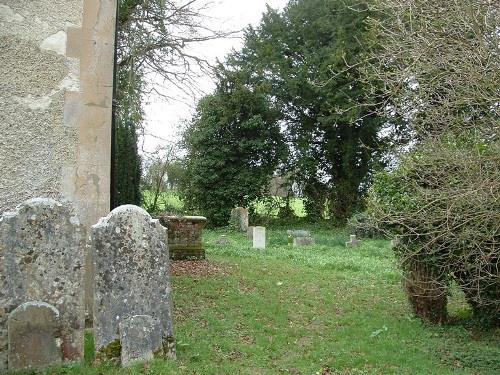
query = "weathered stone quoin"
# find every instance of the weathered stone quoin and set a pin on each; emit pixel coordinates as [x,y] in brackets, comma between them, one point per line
[42,259]
[185,236]
[56,74]
[132,276]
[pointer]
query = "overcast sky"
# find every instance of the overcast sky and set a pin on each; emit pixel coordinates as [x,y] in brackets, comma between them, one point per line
[164,119]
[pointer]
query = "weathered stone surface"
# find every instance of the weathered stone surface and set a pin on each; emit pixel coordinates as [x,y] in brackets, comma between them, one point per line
[250,232]
[34,332]
[185,236]
[239,218]
[42,259]
[140,338]
[132,273]
[298,233]
[259,237]
[353,242]
[300,238]
[303,241]
[223,240]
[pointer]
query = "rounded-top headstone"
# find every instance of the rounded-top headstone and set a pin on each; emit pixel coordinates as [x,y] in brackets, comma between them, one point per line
[132,273]
[42,247]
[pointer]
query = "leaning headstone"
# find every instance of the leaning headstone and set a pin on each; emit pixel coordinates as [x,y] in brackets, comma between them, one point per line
[140,339]
[300,237]
[239,218]
[259,237]
[132,277]
[184,236]
[42,259]
[34,336]
[353,242]
[250,233]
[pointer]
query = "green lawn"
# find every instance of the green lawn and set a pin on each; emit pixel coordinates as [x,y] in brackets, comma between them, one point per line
[313,310]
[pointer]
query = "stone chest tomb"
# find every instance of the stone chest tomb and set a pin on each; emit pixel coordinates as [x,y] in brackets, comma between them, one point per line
[185,236]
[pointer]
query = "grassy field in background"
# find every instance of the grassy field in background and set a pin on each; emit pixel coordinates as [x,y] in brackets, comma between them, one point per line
[322,309]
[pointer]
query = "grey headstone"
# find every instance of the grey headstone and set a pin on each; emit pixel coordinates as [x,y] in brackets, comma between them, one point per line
[239,218]
[395,242]
[298,233]
[259,237]
[132,273]
[250,233]
[34,336]
[140,339]
[223,240]
[353,242]
[303,241]
[42,259]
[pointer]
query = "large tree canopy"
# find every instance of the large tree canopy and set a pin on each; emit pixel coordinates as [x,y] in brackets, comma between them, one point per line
[233,147]
[304,60]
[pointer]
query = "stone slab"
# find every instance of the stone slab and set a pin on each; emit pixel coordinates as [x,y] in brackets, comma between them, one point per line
[303,241]
[259,237]
[299,233]
[34,336]
[42,259]
[250,232]
[132,273]
[140,339]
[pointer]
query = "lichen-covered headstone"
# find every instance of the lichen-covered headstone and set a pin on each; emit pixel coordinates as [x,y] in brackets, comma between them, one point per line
[132,275]
[34,332]
[239,218]
[42,259]
[140,339]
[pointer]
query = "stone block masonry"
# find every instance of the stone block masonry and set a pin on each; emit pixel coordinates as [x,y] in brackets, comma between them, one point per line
[185,236]
[132,277]
[56,85]
[42,259]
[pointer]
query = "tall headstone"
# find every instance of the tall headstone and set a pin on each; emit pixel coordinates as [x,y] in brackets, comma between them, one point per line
[250,233]
[132,275]
[42,259]
[34,336]
[239,218]
[259,237]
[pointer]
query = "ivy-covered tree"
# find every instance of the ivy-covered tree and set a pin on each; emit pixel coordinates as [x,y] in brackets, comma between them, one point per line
[304,60]
[233,147]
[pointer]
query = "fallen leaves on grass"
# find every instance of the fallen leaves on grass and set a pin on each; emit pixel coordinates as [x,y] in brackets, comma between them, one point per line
[199,268]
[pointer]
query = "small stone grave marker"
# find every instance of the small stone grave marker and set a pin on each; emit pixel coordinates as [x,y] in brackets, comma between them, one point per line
[300,237]
[259,237]
[140,339]
[353,242]
[34,331]
[132,276]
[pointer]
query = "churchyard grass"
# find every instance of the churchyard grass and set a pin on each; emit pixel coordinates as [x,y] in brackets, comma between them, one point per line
[323,309]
